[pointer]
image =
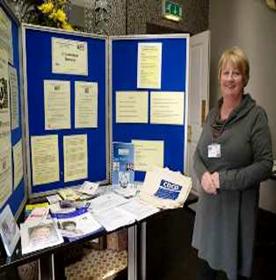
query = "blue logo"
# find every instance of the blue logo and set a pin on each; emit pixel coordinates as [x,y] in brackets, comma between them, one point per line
[168,190]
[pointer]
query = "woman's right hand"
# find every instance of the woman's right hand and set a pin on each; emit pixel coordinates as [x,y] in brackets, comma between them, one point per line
[208,183]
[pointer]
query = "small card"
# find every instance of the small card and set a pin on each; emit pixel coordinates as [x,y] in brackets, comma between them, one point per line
[214,151]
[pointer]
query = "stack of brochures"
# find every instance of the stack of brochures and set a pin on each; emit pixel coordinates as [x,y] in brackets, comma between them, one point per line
[76,224]
[165,189]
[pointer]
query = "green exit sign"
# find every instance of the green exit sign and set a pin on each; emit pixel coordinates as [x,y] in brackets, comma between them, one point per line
[172,10]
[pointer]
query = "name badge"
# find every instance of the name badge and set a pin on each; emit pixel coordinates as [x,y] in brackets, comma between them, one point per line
[214,151]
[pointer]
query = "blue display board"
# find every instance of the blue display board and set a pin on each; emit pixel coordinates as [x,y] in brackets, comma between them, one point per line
[18,193]
[174,77]
[38,67]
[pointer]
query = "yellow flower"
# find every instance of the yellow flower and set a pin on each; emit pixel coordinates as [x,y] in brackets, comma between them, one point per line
[67,26]
[58,15]
[46,8]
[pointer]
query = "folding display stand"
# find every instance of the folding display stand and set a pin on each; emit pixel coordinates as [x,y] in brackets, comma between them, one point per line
[113,66]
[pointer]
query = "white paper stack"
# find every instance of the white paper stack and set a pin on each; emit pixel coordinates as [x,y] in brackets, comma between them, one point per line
[106,201]
[138,208]
[114,218]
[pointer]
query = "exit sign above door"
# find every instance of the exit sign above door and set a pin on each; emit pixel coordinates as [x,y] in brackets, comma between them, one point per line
[172,10]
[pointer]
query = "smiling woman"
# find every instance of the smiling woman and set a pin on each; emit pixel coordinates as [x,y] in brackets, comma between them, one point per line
[233,156]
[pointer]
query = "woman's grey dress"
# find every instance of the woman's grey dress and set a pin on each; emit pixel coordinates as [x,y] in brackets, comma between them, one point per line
[224,227]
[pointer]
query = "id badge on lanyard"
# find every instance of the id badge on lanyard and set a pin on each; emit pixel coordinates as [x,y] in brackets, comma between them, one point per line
[214,150]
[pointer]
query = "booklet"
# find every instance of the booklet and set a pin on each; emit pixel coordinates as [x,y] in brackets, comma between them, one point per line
[9,230]
[77,224]
[123,164]
[69,194]
[37,236]
[38,215]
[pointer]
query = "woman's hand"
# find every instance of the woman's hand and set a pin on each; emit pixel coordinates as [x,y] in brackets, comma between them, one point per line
[208,183]
[215,179]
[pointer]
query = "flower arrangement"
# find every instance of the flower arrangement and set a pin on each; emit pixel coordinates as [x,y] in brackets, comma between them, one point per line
[52,13]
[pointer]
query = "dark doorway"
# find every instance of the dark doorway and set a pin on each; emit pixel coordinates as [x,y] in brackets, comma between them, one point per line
[159,29]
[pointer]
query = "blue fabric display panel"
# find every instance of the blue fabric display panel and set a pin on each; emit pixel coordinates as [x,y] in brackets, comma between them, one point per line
[174,68]
[38,56]
[18,195]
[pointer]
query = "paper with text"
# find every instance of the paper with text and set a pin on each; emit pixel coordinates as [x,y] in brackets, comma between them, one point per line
[131,107]
[69,57]
[149,65]
[6,34]
[5,131]
[57,104]
[14,97]
[45,159]
[75,157]
[17,163]
[148,154]
[167,108]
[86,104]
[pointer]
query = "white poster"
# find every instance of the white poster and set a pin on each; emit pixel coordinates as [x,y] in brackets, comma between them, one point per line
[86,104]
[75,157]
[57,104]
[69,57]
[14,97]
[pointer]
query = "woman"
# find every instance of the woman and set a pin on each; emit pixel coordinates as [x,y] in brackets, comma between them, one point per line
[233,156]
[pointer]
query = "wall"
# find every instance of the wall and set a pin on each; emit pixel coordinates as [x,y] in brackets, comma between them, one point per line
[141,12]
[135,14]
[251,25]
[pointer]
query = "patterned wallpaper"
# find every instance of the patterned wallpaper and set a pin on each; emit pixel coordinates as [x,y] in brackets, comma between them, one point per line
[136,14]
[141,12]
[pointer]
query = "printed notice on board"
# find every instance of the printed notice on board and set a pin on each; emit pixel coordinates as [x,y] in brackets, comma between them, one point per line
[14,97]
[57,104]
[167,108]
[5,168]
[17,163]
[75,157]
[149,65]
[6,34]
[86,104]
[131,107]
[5,131]
[69,57]
[148,154]
[45,159]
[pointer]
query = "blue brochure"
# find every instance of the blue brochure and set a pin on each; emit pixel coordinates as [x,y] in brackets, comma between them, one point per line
[123,164]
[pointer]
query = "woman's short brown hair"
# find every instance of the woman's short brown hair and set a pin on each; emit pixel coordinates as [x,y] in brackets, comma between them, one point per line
[236,56]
